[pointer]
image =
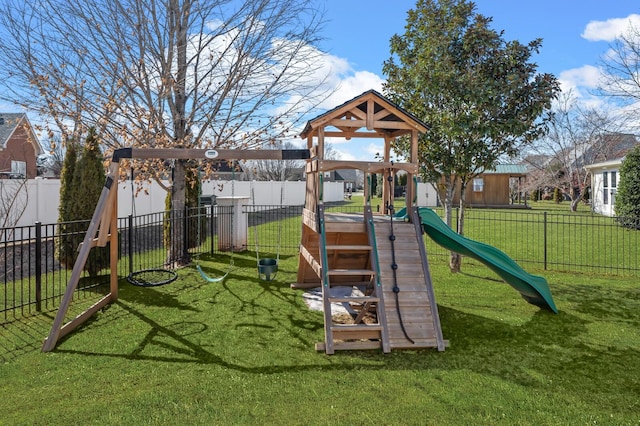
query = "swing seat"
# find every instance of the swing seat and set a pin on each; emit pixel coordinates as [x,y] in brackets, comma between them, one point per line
[267,269]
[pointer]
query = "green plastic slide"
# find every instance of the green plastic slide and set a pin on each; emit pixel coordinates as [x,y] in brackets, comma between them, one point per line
[534,289]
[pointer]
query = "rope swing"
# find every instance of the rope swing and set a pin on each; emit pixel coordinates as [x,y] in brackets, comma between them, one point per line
[202,273]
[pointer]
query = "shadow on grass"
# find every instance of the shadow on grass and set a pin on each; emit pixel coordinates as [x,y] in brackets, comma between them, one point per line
[23,336]
[487,278]
[550,352]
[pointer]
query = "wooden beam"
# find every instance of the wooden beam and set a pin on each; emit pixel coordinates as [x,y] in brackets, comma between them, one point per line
[113,248]
[356,112]
[220,154]
[320,152]
[369,125]
[382,114]
[370,110]
[365,166]
[81,318]
[95,242]
[353,134]
[111,203]
[308,257]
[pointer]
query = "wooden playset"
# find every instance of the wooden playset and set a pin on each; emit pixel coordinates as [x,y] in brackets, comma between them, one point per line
[381,255]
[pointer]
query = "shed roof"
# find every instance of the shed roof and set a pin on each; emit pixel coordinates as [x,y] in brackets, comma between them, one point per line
[507,169]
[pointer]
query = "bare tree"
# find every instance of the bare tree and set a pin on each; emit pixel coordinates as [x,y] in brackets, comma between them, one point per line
[14,197]
[621,66]
[278,170]
[577,137]
[51,162]
[164,73]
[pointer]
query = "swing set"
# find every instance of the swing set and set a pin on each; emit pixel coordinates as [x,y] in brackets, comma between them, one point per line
[103,229]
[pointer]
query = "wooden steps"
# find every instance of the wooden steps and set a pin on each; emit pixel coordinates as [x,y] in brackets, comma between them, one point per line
[345,256]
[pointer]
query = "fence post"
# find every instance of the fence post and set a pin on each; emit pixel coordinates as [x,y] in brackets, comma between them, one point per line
[130,243]
[38,266]
[211,230]
[544,239]
[184,257]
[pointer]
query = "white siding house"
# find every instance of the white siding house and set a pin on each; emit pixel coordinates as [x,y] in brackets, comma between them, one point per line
[605,178]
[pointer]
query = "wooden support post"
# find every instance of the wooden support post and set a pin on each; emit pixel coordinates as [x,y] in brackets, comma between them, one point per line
[51,341]
[320,152]
[411,188]
[113,247]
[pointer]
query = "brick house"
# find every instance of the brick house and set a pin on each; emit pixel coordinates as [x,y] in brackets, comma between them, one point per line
[19,147]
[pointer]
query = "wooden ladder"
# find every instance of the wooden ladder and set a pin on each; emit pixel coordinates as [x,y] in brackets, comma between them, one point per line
[356,335]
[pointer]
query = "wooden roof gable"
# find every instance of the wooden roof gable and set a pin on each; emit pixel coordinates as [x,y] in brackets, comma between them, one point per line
[367,115]
[10,124]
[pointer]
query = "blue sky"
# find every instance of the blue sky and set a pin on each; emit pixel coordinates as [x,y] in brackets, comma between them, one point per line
[575,35]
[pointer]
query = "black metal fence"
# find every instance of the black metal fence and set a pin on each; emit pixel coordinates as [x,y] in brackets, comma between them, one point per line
[33,278]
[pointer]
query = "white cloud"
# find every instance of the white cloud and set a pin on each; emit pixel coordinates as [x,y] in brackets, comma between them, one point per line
[578,79]
[581,83]
[358,149]
[344,155]
[375,148]
[350,84]
[610,29]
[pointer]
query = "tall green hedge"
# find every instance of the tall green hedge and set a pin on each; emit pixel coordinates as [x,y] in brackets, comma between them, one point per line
[627,205]
[81,185]
[64,244]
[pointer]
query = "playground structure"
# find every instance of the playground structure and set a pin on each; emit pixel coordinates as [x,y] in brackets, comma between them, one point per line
[362,250]
[382,255]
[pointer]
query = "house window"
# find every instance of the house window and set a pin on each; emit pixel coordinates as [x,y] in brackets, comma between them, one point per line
[478,185]
[605,187]
[613,188]
[19,168]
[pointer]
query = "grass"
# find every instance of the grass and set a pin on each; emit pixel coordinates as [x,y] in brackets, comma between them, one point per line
[241,352]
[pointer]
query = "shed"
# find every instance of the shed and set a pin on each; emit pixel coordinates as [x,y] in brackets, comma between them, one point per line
[500,187]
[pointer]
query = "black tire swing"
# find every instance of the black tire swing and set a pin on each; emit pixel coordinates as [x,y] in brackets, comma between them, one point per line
[148,277]
[268,267]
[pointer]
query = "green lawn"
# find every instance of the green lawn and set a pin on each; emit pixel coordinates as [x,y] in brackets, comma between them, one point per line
[241,352]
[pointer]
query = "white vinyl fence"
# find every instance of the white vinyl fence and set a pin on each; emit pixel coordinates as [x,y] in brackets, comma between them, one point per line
[37,200]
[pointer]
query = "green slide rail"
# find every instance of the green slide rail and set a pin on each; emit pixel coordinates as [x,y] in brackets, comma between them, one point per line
[534,289]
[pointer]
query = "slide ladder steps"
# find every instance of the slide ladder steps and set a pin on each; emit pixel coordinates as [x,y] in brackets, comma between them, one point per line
[356,335]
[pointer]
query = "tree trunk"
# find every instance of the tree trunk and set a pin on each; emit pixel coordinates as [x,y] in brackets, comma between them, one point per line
[178,254]
[445,192]
[455,259]
[574,204]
